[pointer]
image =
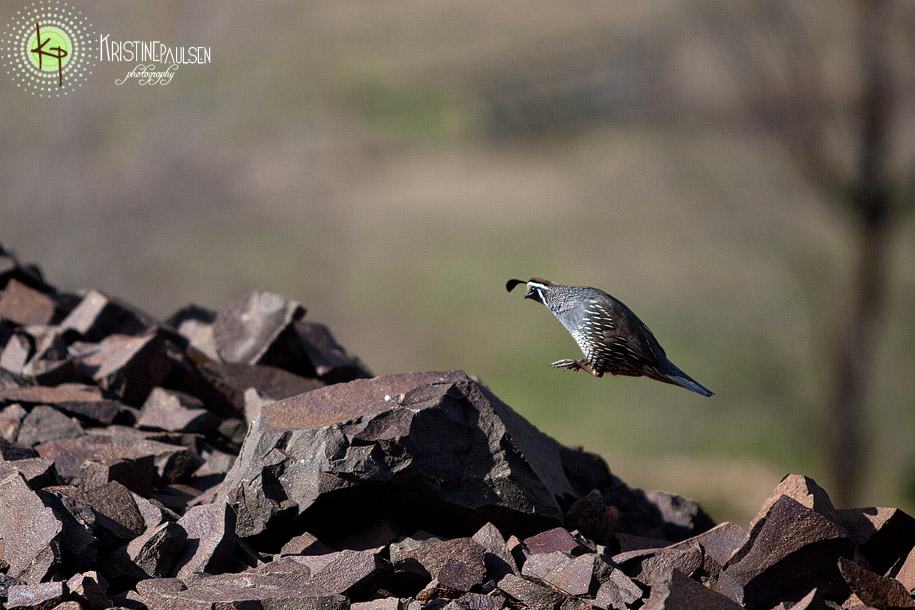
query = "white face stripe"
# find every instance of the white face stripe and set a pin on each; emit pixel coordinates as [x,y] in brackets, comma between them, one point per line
[538,287]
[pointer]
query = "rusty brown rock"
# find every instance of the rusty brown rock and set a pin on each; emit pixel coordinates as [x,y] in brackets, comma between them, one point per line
[719,543]
[677,591]
[528,593]
[86,402]
[401,441]
[384,603]
[805,491]
[78,540]
[175,411]
[573,576]
[550,541]
[305,544]
[906,572]
[884,535]
[210,543]
[69,454]
[15,451]
[462,559]
[128,366]
[479,601]
[98,316]
[790,550]
[276,585]
[346,572]
[30,531]
[37,596]
[651,566]
[133,467]
[873,589]
[24,305]
[256,329]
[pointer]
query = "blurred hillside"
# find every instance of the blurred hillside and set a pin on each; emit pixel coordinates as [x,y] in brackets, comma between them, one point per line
[390,165]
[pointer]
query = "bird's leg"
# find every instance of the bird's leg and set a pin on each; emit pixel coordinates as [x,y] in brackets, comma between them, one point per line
[575,365]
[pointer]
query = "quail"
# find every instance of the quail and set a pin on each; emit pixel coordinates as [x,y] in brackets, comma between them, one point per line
[613,339]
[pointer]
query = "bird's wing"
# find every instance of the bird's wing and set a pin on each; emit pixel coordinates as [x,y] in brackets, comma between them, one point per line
[612,334]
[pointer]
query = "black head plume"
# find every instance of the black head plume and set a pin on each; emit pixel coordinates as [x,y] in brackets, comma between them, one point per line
[510,284]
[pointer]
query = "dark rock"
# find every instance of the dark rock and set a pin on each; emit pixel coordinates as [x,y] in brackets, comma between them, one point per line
[592,517]
[617,591]
[172,463]
[195,324]
[89,589]
[434,450]
[906,572]
[10,421]
[884,535]
[655,515]
[210,543]
[128,366]
[872,589]
[719,543]
[115,510]
[228,382]
[497,557]
[44,424]
[329,359]
[38,472]
[154,552]
[257,329]
[677,591]
[14,451]
[98,316]
[30,532]
[790,550]
[373,538]
[552,540]
[153,513]
[651,566]
[86,402]
[37,596]
[461,560]
[176,412]
[78,543]
[50,365]
[528,593]
[69,454]
[573,576]
[11,268]
[133,467]
[478,601]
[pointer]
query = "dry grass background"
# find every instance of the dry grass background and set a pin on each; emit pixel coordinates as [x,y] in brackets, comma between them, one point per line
[391,164]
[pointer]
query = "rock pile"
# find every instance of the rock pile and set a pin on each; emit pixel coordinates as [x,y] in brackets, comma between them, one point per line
[244,459]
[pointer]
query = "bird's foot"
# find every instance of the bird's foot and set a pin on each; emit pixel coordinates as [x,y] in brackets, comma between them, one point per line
[575,365]
[569,365]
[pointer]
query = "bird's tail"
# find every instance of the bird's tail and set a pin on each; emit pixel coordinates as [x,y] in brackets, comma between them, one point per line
[669,373]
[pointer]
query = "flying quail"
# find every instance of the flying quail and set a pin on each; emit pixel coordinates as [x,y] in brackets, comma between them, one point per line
[610,335]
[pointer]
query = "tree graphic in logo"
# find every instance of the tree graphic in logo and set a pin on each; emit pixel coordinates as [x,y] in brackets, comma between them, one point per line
[48,48]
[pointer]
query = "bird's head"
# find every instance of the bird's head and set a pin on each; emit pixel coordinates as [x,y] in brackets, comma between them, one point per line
[536,288]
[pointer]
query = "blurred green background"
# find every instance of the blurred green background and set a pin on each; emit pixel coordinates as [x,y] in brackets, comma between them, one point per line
[391,164]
